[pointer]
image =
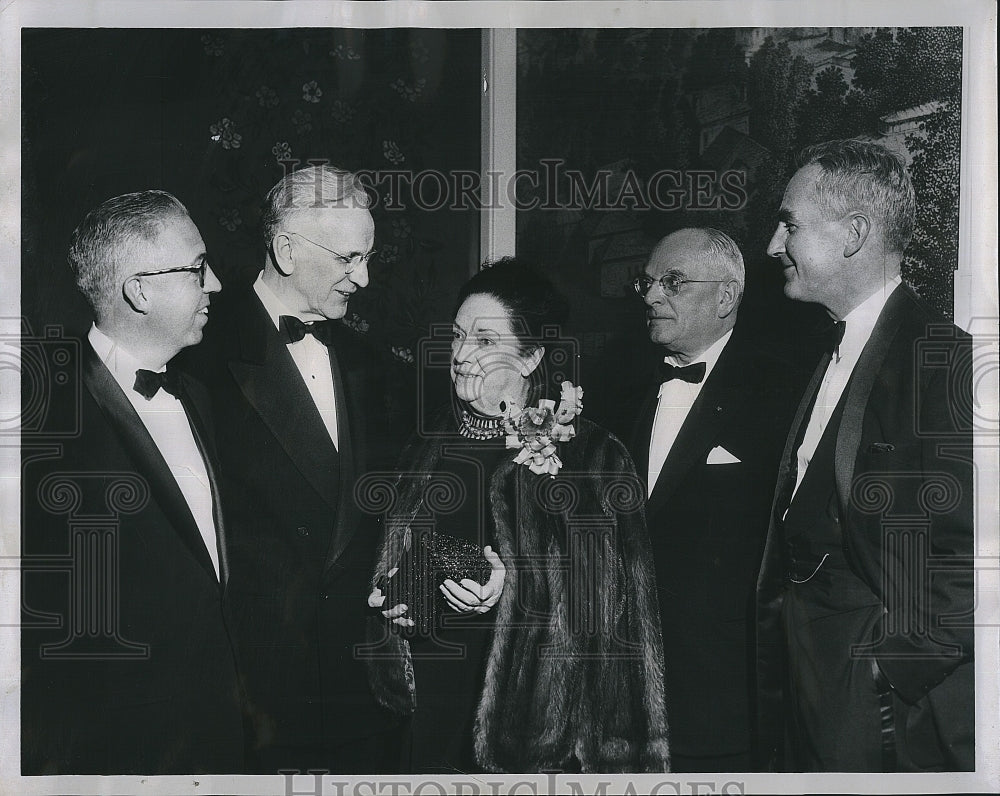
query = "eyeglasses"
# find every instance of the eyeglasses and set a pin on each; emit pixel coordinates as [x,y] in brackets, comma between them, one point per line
[350,263]
[194,269]
[670,283]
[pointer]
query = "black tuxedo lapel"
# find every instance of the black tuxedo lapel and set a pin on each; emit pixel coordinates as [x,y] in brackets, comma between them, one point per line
[643,432]
[194,399]
[860,387]
[700,428]
[272,384]
[788,466]
[350,427]
[148,460]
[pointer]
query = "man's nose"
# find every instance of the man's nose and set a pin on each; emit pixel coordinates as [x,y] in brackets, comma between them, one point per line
[212,283]
[777,245]
[359,274]
[654,295]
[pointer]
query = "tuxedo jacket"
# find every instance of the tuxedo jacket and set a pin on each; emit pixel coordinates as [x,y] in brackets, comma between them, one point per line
[904,503]
[301,550]
[127,664]
[707,524]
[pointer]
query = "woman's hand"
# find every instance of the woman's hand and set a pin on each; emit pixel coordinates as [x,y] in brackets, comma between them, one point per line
[471,597]
[395,614]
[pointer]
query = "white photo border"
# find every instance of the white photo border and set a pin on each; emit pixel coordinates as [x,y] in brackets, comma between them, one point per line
[977,309]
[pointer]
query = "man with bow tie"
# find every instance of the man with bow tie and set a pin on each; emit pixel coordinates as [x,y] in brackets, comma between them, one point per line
[127,663]
[296,407]
[706,436]
[865,596]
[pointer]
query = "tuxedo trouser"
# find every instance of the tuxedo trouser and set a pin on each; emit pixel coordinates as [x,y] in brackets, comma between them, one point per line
[834,702]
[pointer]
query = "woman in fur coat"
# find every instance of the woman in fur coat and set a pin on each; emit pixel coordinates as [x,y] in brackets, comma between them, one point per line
[543,651]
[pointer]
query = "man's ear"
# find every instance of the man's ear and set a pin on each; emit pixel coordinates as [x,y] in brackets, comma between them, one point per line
[281,254]
[532,361]
[857,233]
[134,295]
[729,297]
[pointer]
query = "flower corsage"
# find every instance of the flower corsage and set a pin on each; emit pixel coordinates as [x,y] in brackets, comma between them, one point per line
[536,429]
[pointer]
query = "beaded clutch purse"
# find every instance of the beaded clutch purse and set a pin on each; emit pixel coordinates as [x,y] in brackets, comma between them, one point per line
[434,558]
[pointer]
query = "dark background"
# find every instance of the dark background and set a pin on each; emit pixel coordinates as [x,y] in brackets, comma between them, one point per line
[209,115]
[106,112]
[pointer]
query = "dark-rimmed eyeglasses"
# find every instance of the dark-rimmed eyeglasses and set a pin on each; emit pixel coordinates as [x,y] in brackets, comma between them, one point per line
[670,284]
[349,262]
[194,269]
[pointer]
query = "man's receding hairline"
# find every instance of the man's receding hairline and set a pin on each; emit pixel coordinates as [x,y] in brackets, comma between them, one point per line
[156,228]
[705,244]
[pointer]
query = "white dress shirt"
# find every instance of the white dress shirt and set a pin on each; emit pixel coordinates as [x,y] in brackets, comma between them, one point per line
[311,358]
[859,324]
[674,402]
[168,425]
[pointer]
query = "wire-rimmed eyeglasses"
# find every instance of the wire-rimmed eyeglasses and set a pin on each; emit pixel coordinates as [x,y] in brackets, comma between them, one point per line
[350,262]
[670,283]
[194,269]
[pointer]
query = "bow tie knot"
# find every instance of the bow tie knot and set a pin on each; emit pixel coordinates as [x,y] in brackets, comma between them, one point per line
[294,329]
[150,382]
[692,374]
[834,336]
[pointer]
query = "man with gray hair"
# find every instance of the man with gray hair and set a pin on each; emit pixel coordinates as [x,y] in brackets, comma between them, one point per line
[707,433]
[866,593]
[293,395]
[127,663]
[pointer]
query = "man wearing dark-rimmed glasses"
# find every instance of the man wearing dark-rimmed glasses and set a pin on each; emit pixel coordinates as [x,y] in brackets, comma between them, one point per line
[706,436]
[297,400]
[127,662]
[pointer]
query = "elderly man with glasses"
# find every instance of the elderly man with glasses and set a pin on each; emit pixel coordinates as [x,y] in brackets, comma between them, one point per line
[298,421]
[127,662]
[707,433]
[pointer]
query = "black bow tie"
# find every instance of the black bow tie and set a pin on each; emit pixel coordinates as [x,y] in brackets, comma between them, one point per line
[294,329]
[692,374]
[149,382]
[834,336]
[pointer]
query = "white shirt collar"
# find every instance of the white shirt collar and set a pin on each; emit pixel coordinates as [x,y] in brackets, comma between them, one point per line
[117,359]
[860,322]
[275,306]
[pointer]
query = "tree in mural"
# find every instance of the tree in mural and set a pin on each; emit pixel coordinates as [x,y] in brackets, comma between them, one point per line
[777,83]
[716,59]
[932,257]
[822,116]
[591,97]
[910,67]
[894,70]
[916,66]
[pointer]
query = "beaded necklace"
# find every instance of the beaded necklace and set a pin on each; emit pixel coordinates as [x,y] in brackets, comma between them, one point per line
[475,426]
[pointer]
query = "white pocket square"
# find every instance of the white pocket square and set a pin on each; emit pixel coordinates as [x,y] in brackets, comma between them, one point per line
[719,455]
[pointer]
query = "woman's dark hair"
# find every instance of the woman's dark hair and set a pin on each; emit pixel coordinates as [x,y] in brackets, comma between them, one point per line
[530,298]
[532,303]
